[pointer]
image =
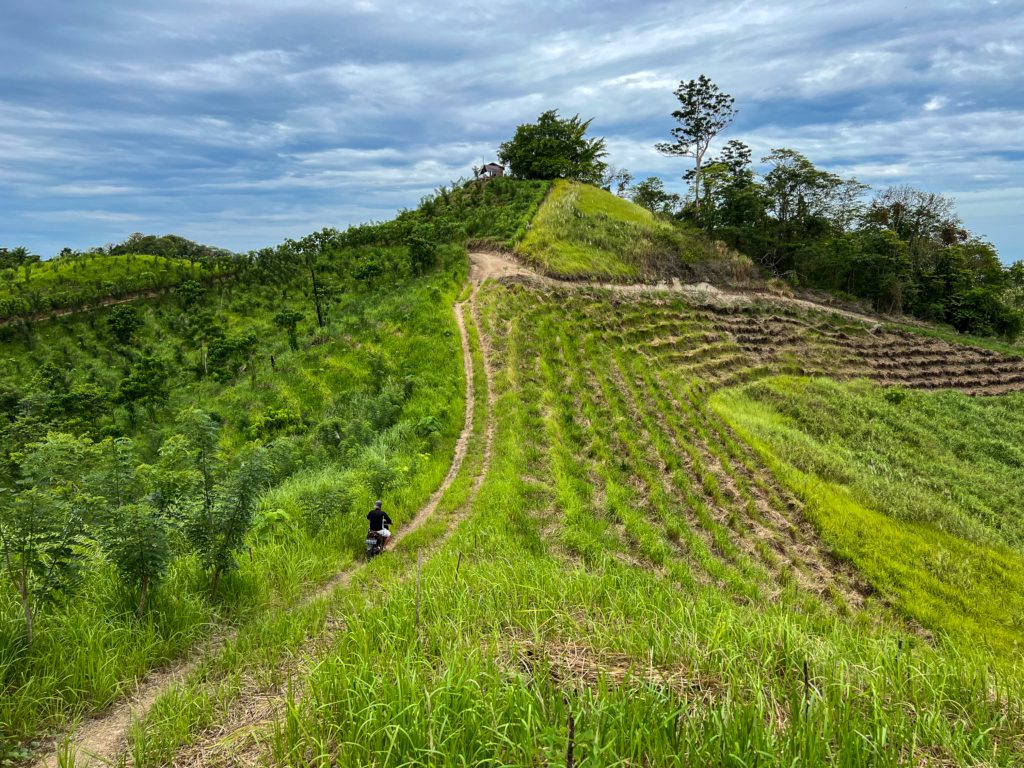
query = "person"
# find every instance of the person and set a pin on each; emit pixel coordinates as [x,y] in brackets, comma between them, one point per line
[379,521]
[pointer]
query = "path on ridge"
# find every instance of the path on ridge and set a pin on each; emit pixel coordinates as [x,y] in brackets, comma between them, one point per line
[101,740]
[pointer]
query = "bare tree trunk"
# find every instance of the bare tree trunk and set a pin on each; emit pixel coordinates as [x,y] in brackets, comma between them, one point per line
[216,583]
[696,180]
[316,298]
[143,590]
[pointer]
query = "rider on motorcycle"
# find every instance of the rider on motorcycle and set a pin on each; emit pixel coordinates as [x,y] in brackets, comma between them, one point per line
[379,521]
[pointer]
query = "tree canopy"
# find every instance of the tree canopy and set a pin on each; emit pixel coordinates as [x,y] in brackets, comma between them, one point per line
[555,148]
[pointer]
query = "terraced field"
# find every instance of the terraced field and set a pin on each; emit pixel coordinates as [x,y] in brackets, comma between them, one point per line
[617,576]
[723,342]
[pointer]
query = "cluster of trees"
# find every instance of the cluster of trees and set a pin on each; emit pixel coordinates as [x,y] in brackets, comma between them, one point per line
[170,247]
[74,496]
[902,249]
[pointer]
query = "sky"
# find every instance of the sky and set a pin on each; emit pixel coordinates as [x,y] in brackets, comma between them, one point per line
[241,124]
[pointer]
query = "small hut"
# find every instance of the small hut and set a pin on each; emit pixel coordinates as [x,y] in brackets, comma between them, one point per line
[491,171]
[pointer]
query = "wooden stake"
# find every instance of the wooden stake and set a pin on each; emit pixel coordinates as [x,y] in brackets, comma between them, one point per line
[419,562]
[457,566]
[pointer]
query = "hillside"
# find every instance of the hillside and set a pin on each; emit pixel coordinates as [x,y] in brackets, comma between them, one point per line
[639,521]
[584,232]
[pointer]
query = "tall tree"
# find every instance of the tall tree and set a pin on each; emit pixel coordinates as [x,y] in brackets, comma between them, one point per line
[704,112]
[553,148]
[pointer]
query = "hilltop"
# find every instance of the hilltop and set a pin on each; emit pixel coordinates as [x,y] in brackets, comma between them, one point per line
[640,517]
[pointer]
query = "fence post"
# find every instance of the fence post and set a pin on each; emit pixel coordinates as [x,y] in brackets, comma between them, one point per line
[419,566]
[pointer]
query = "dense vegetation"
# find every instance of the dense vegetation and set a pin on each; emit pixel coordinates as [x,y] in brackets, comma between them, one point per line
[204,455]
[904,250]
[555,148]
[631,583]
[92,279]
[583,231]
[106,451]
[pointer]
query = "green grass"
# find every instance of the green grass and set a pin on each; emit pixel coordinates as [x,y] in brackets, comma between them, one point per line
[652,667]
[582,231]
[72,283]
[386,373]
[610,572]
[919,491]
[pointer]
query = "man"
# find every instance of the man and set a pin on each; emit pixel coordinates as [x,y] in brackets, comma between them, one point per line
[379,521]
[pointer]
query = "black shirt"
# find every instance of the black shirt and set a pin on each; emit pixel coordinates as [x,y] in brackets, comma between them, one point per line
[378,519]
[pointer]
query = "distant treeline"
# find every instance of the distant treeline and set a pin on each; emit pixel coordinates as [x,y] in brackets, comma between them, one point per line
[903,249]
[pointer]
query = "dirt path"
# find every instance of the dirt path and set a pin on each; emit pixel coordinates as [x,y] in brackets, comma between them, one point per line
[257,708]
[100,740]
[499,265]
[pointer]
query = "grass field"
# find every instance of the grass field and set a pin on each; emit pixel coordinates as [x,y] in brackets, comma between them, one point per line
[919,491]
[632,579]
[581,231]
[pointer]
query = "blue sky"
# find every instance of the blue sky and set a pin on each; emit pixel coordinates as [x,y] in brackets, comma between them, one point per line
[240,124]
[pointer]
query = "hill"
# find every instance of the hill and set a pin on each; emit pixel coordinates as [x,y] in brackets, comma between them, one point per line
[581,231]
[639,522]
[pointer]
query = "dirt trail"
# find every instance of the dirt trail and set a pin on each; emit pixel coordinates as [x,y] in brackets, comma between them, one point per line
[499,265]
[100,740]
[257,707]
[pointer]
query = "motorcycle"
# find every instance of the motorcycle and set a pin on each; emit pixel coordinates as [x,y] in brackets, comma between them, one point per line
[375,544]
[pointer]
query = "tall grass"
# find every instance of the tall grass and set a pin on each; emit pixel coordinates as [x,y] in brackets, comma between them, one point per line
[385,374]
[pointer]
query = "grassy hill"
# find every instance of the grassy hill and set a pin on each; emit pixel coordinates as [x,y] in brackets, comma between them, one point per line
[682,528]
[91,279]
[581,231]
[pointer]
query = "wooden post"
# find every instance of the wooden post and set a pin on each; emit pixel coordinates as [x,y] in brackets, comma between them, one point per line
[419,563]
[457,565]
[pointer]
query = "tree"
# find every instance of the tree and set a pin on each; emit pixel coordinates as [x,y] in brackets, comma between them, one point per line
[42,526]
[218,532]
[145,385]
[704,112]
[137,541]
[553,148]
[123,321]
[616,180]
[288,319]
[650,194]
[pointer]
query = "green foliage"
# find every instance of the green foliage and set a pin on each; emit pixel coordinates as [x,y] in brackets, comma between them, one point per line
[138,543]
[582,231]
[145,384]
[288,319]
[42,525]
[704,112]
[94,279]
[650,194]
[170,247]
[217,529]
[123,321]
[554,148]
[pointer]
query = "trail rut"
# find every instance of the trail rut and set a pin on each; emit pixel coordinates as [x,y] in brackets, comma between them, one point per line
[101,740]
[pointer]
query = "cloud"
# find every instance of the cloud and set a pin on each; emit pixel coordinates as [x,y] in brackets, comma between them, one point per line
[244,128]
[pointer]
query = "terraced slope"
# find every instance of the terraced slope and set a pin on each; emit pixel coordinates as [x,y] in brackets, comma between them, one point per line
[724,339]
[629,583]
